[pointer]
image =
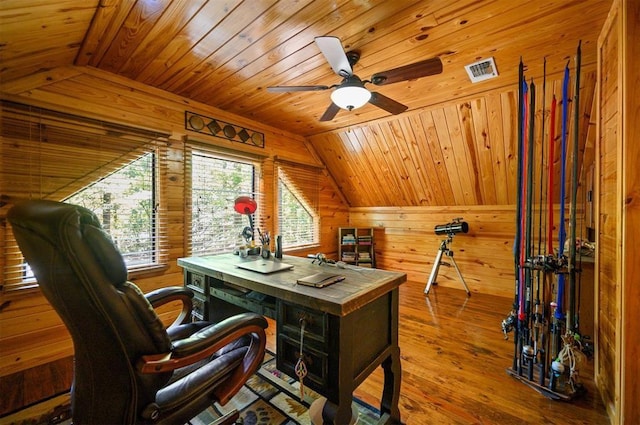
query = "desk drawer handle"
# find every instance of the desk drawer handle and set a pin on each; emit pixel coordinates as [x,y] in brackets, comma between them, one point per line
[301,367]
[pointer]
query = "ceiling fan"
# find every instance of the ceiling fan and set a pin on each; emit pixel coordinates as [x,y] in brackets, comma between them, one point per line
[351,93]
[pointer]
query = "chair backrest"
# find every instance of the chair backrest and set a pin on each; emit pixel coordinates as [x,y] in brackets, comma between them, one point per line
[84,277]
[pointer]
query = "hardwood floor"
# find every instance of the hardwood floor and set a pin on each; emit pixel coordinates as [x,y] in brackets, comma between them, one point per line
[454,361]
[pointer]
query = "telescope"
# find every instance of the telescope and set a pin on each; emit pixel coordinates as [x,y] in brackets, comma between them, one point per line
[449,229]
[456,226]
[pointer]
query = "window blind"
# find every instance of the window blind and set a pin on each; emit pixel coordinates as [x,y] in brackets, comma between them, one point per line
[52,155]
[298,203]
[216,177]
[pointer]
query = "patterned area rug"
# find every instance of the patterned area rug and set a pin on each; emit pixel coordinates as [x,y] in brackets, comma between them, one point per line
[268,398]
[273,398]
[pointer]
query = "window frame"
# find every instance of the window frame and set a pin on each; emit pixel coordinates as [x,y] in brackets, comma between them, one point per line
[255,161]
[27,128]
[302,181]
[154,227]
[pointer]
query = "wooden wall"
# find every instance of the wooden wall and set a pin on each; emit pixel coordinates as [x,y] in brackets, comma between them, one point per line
[617,370]
[32,335]
[462,152]
[630,199]
[608,216]
[406,241]
[404,174]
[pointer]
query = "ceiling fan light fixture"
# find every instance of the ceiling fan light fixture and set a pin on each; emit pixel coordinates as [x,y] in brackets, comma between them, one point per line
[350,97]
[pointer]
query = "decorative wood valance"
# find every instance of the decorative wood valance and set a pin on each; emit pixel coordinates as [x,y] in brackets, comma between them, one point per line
[217,128]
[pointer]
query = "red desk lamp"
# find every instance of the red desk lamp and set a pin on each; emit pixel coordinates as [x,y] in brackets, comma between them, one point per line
[247,206]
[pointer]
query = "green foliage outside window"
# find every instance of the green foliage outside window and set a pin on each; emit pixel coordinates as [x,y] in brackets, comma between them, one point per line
[296,222]
[216,183]
[124,203]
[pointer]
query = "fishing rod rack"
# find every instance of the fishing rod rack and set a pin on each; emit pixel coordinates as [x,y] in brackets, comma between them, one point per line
[556,379]
[548,346]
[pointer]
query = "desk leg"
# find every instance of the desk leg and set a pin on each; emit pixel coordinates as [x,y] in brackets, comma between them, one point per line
[390,413]
[338,411]
[332,414]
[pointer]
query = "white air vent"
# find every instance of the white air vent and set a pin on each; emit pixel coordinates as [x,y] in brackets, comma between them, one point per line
[482,70]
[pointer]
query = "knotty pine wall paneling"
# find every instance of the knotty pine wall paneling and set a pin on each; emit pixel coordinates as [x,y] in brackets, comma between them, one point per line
[462,152]
[32,335]
[631,213]
[617,370]
[607,218]
[405,241]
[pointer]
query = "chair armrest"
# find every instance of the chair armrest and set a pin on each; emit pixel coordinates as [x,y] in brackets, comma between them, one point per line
[169,294]
[204,343]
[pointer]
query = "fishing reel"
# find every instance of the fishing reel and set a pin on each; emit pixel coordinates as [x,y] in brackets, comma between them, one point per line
[509,323]
[541,262]
[547,263]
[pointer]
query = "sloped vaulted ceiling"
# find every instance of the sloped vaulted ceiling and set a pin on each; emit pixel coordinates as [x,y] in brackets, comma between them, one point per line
[454,145]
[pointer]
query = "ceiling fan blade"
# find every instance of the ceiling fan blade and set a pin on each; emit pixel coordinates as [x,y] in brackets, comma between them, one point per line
[408,72]
[330,113]
[331,48]
[386,103]
[284,89]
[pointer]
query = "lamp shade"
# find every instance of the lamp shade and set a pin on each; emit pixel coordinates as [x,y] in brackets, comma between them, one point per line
[351,94]
[245,205]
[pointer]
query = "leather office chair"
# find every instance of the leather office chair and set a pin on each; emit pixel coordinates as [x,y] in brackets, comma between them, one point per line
[128,367]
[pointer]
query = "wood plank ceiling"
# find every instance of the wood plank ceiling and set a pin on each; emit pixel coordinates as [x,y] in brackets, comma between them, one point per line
[454,146]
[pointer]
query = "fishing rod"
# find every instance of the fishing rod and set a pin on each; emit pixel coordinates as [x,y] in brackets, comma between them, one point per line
[522,330]
[571,318]
[528,351]
[509,322]
[559,303]
[538,321]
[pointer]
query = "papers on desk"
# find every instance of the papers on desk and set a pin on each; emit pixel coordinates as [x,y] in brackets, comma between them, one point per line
[321,279]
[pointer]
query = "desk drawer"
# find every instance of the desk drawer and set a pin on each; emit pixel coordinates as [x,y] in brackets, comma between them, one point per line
[199,310]
[317,363]
[317,344]
[196,282]
[316,323]
[250,301]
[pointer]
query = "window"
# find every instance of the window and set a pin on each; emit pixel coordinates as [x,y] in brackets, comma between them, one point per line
[296,223]
[109,168]
[298,194]
[216,181]
[125,205]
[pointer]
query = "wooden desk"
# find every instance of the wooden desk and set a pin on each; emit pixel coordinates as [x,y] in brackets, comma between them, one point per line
[351,327]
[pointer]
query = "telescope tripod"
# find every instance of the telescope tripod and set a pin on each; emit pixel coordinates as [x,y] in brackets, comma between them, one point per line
[444,249]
